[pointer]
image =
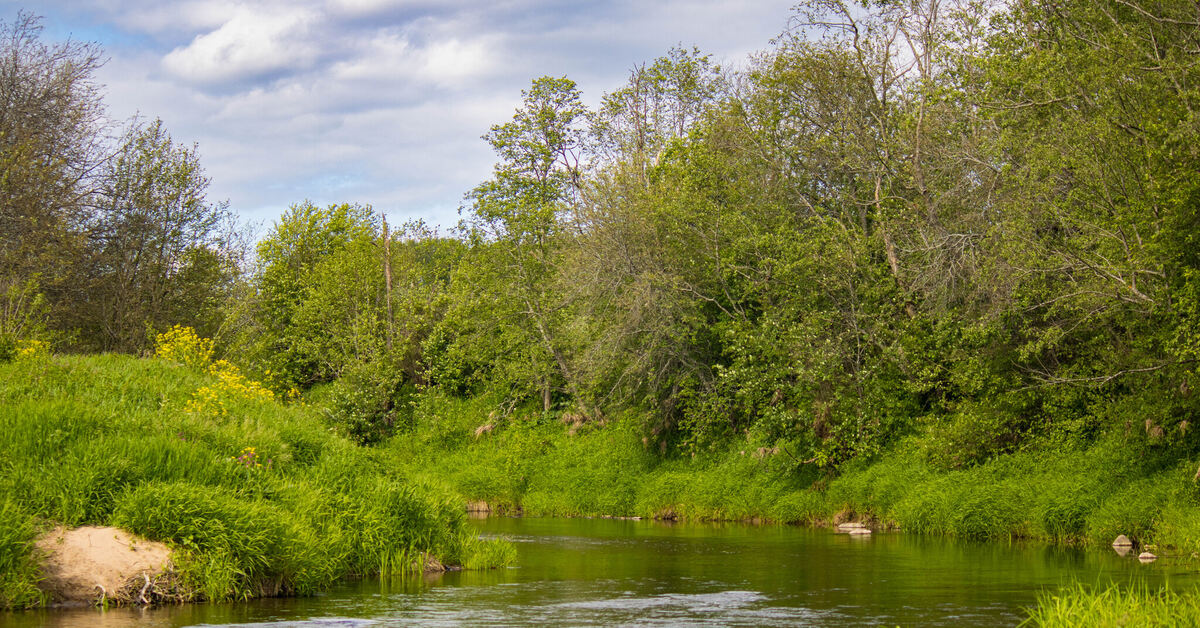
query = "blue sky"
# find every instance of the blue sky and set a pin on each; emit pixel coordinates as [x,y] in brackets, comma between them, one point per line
[372,101]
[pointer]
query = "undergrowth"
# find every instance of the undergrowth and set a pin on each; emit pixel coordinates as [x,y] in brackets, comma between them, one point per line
[1075,492]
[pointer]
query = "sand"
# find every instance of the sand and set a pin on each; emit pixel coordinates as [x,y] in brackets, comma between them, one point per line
[87,564]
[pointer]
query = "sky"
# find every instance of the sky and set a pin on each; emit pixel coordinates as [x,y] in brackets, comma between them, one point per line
[380,102]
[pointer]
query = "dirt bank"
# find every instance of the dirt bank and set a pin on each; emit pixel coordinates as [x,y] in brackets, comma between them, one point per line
[88,565]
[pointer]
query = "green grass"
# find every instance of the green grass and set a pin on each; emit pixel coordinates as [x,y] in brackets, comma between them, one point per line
[1073,494]
[108,440]
[1116,606]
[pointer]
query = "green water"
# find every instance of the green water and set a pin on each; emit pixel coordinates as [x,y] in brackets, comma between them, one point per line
[609,572]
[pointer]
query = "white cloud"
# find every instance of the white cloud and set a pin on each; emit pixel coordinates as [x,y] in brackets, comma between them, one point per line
[392,56]
[252,42]
[377,101]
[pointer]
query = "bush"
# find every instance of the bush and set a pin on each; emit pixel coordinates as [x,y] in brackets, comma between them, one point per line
[370,402]
[969,437]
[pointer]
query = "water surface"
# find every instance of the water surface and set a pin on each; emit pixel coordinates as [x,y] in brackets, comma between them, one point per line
[613,572]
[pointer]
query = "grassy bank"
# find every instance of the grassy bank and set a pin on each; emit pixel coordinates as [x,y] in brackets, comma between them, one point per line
[1054,490]
[256,497]
[1068,492]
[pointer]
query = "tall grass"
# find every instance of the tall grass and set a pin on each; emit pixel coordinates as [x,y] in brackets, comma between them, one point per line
[1116,606]
[18,570]
[257,497]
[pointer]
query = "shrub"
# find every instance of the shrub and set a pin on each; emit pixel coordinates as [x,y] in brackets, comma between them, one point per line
[369,403]
[181,345]
[969,437]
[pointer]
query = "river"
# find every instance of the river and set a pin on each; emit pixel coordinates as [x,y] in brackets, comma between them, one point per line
[612,572]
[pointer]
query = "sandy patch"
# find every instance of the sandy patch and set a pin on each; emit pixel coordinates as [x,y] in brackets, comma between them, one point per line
[88,564]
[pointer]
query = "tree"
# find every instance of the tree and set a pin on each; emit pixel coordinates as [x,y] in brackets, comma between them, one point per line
[658,103]
[163,253]
[520,210]
[326,251]
[51,148]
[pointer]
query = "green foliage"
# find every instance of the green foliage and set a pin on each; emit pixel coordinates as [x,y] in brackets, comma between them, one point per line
[19,572]
[370,402]
[255,536]
[307,238]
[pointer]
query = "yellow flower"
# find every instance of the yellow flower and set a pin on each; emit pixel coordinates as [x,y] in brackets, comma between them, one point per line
[181,344]
[30,349]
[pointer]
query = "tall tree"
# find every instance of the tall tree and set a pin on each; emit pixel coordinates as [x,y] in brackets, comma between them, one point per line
[51,116]
[521,209]
[163,251]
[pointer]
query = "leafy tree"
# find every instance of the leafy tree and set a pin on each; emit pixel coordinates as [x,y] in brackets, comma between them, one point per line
[163,254]
[520,210]
[309,245]
[51,118]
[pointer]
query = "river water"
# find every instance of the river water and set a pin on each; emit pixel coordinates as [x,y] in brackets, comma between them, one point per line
[614,572]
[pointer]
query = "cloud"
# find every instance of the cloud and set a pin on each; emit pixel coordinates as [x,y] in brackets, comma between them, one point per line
[251,43]
[377,101]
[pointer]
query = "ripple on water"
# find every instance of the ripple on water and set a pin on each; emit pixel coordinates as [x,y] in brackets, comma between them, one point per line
[322,622]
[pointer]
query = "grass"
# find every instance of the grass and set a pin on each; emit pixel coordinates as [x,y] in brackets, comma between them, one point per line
[1073,494]
[256,497]
[1115,607]
[261,498]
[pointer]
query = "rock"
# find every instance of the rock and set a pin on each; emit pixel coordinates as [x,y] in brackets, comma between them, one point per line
[1122,550]
[851,525]
[859,531]
[1122,541]
[1147,557]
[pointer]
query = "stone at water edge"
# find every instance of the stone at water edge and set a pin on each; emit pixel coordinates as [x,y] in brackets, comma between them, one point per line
[859,531]
[851,525]
[1147,557]
[1122,541]
[1122,550]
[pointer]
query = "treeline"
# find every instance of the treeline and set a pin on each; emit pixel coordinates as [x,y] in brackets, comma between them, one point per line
[106,234]
[974,220]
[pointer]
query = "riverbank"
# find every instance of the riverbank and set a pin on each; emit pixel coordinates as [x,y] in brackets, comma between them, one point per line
[1054,491]
[254,496]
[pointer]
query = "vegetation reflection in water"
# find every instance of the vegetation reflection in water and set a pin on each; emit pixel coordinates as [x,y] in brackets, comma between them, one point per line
[603,572]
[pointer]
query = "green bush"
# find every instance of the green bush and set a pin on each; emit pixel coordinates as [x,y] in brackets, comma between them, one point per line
[370,402]
[8,348]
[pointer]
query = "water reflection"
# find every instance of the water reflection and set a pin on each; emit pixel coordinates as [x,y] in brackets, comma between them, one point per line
[612,572]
